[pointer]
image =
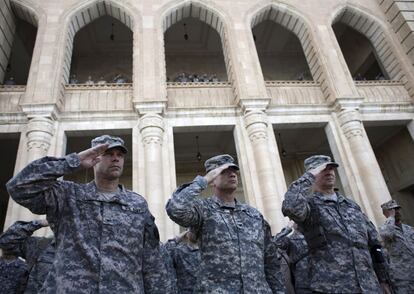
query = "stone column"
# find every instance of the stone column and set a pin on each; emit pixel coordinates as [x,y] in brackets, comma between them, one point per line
[369,173]
[151,127]
[271,180]
[410,128]
[39,134]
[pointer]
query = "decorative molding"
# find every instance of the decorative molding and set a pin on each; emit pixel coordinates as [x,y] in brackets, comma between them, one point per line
[255,104]
[198,85]
[351,124]
[151,126]
[47,110]
[256,125]
[12,88]
[345,103]
[150,107]
[107,86]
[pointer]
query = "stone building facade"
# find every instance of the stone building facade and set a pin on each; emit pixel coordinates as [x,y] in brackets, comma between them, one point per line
[287,79]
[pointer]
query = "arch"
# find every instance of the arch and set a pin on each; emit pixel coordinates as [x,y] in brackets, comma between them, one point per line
[12,10]
[296,23]
[209,14]
[81,14]
[373,30]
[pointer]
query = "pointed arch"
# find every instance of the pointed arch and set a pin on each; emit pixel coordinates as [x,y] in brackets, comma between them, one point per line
[372,28]
[295,22]
[211,15]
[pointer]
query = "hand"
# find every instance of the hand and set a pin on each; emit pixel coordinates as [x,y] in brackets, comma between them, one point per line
[318,169]
[43,222]
[211,175]
[90,157]
[391,212]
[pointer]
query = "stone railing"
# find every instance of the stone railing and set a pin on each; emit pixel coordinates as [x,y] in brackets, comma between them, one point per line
[192,95]
[382,92]
[10,97]
[107,97]
[294,92]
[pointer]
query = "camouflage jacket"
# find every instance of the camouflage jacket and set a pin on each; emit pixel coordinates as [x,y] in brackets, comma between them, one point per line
[186,261]
[297,249]
[340,238]
[39,252]
[13,275]
[399,242]
[169,265]
[102,246]
[233,241]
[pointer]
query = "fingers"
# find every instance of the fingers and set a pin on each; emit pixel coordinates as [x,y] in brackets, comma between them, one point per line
[211,175]
[318,169]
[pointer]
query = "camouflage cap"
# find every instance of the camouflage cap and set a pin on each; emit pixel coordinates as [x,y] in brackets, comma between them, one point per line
[317,160]
[114,142]
[390,205]
[219,160]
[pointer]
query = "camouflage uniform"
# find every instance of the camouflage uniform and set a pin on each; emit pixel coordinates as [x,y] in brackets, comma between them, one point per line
[399,242]
[186,261]
[234,241]
[169,265]
[38,252]
[340,238]
[13,275]
[297,249]
[102,245]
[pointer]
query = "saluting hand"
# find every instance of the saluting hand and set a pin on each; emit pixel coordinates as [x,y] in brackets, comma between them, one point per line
[211,175]
[90,157]
[318,169]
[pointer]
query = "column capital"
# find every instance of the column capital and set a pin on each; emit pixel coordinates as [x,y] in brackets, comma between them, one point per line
[254,104]
[46,110]
[40,131]
[148,107]
[350,122]
[151,126]
[341,103]
[256,125]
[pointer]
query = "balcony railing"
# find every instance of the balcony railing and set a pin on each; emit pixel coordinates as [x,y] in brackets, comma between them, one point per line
[107,97]
[10,96]
[294,93]
[192,95]
[383,92]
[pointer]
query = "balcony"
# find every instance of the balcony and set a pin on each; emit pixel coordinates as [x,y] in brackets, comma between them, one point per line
[289,93]
[94,98]
[10,97]
[383,92]
[196,95]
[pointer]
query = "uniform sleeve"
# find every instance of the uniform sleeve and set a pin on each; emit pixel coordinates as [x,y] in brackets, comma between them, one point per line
[154,270]
[273,269]
[36,187]
[184,207]
[166,251]
[387,230]
[375,248]
[17,235]
[295,205]
[281,239]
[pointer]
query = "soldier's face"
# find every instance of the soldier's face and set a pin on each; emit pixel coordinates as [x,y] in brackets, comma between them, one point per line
[111,165]
[326,178]
[227,180]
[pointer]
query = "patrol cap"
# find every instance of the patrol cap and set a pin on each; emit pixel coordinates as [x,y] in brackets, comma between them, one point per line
[114,142]
[317,160]
[219,160]
[390,205]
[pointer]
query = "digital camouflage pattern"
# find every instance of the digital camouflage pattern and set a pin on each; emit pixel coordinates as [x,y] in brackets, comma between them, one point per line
[13,275]
[399,242]
[172,278]
[234,241]
[186,260]
[296,248]
[340,238]
[38,252]
[102,245]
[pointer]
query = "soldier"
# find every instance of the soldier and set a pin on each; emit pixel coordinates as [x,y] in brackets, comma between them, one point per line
[39,252]
[297,249]
[398,239]
[186,259]
[344,249]
[106,238]
[13,273]
[233,237]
